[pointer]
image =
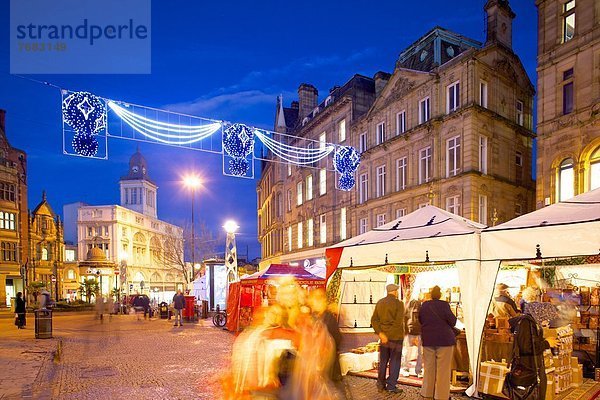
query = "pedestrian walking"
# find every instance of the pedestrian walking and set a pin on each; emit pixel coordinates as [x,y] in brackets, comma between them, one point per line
[110,306]
[100,308]
[20,311]
[413,340]
[145,301]
[437,322]
[388,323]
[317,300]
[178,305]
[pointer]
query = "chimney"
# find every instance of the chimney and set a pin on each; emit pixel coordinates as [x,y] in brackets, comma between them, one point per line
[308,97]
[3,120]
[381,79]
[499,17]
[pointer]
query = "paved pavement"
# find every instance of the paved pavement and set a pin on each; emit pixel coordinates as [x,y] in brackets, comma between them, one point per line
[123,358]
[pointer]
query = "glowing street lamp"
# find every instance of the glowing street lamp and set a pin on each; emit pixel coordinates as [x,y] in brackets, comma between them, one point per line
[192,182]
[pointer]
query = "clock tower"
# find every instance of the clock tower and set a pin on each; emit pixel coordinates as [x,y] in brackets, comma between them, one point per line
[138,192]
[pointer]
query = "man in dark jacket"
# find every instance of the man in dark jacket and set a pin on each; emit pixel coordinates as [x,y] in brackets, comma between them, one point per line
[388,323]
[178,305]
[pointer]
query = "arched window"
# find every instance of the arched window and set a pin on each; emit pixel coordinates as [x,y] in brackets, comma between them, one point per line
[44,254]
[566,180]
[138,277]
[595,169]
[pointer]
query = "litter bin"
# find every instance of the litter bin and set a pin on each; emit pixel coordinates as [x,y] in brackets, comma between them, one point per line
[188,311]
[164,310]
[43,324]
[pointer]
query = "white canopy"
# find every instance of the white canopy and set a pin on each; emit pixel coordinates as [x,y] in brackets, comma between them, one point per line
[565,229]
[434,235]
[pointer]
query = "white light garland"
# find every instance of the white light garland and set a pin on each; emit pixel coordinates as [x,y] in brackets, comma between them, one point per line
[294,155]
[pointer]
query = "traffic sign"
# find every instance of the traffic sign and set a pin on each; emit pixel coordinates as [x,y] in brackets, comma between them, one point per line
[53,278]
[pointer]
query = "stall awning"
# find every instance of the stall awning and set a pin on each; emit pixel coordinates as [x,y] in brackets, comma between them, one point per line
[275,271]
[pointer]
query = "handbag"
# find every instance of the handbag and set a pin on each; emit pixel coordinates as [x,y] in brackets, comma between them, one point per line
[522,381]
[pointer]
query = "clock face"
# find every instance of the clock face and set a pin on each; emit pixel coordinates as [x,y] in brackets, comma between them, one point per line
[134,169]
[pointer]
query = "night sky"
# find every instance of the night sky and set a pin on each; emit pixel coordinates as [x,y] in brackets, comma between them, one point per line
[229,61]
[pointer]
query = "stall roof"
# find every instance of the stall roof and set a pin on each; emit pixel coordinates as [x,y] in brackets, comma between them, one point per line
[582,208]
[275,271]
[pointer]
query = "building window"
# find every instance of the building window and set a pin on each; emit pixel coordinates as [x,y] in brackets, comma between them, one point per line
[380,184]
[342,130]
[401,122]
[568,20]
[425,160]
[424,110]
[7,191]
[380,220]
[363,226]
[380,132]
[9,251]
[343,224]
[310,233]
[568,95]
[289,234]
[595,170]
[70,274]
[483,94]
[7,220]
[300,240]
[70,256]
[133,196]
[453,156]
[363,188]
[519,159]
[309,188]
[566,180]
[401,165]
[519,109]
[483,209]
[299,193]
[362,142]
[400,212]
[289,170]
[453,205]
[289,200]
[322,181]
[44,254]
[323,229]
[483,150]
[453,97]
[322,141]
[279,205]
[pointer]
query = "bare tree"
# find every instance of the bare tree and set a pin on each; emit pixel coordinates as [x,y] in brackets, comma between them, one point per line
[171,255]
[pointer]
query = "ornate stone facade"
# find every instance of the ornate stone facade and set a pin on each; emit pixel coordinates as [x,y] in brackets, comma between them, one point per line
[568,146]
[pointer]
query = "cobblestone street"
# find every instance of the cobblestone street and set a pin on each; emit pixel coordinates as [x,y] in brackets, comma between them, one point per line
[123,358]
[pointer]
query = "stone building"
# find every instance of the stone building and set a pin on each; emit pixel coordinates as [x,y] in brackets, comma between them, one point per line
[451,126]
[13,217]
[46,248]
[142,253]
[568,146]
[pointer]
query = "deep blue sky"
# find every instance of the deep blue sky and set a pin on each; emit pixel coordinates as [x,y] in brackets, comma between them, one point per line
[226,60]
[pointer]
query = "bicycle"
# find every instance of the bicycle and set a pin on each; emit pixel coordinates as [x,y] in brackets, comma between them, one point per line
[220,318]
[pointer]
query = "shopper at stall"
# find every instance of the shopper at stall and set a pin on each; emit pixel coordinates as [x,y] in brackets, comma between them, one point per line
[413,339]
[20,311]
[437,322]
[388,323]
[503,304]
[543,313]
[530,343]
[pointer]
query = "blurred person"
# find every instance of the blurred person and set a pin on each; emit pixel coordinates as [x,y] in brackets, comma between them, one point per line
[138,305]
[437,321]
[44,299]
[543,313]
[178,305]
[110,306]
[317,300]
[413,339]
[20,311]
[100,308]
[388,323]
[502,304]
[145,302]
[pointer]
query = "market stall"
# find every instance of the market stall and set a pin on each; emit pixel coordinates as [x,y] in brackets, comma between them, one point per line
[260,289]
[551,256]
[427,247]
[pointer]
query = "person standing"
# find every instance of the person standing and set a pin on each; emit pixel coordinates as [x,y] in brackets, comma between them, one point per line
[388,323]
[413,339]
[437,321]
[503,304]
[178,305]
[20,311]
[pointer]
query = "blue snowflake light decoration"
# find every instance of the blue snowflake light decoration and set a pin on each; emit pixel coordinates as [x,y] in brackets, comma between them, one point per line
[86,114]
[238,143]
[346,161]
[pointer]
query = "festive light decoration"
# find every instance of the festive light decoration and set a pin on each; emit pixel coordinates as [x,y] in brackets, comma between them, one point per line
[238,143]
[164,132]
[292,154]
[346,161]
[86,114]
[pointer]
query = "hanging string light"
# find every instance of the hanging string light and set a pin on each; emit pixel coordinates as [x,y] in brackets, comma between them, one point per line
[86,114]
[238,143]
[292,154]
[346,160]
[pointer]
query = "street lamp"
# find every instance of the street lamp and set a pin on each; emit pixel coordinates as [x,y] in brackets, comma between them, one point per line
[192,182]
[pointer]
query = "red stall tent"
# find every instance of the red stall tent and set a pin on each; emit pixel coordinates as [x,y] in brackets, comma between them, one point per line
[260,289]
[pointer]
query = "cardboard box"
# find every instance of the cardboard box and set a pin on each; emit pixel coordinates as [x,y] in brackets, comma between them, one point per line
[502,323]
[491,378]
[577,376]
[574,362]
[550,386]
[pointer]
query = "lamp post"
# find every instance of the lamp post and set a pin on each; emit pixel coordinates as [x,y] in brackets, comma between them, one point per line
[231,251]
[192,182]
